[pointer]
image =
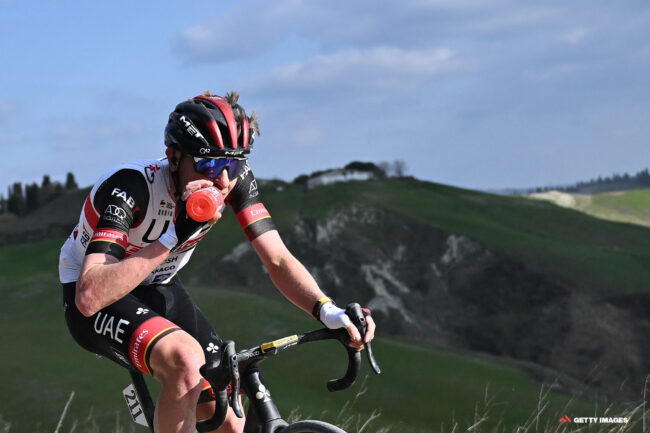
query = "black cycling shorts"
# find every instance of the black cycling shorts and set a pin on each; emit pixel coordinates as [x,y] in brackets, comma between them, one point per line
[128,329]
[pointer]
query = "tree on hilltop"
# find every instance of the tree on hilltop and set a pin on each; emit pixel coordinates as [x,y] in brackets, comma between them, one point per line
[70,183]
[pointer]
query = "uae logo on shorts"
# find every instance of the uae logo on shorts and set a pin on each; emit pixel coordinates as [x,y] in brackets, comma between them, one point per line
[142,311]
[212,348]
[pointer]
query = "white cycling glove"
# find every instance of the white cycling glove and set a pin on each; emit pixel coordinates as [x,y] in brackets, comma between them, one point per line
[333,317]
[169,238]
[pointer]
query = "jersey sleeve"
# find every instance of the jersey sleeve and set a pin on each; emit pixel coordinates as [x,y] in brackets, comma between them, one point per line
[245,201]
[121,201]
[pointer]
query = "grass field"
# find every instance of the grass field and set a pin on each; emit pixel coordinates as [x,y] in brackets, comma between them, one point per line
[625,206]
[629,206]
[420,390]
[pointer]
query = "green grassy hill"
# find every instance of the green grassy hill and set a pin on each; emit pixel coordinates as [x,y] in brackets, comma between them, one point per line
[605,256]
[631,206]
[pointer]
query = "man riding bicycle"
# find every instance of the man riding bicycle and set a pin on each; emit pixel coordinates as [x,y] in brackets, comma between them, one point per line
[122,297]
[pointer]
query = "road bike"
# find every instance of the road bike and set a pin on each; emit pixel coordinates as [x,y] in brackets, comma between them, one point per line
[240,372]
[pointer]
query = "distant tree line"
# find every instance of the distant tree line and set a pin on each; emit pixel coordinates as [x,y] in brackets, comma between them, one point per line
[616,182]
[20,201]
[382,170]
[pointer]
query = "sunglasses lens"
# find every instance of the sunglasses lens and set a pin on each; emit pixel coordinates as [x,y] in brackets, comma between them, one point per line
[236,167]
[211,168]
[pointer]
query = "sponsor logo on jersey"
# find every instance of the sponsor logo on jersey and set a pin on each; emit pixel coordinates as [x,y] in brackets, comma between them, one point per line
[164,269]
[252,190]
[252,214]
[85,238]
[171,259]
[150,171]
[124,196]
[148,237]
[115,213]
[244,172]
[110,235]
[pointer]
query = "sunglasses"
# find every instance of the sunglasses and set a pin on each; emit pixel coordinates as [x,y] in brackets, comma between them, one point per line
[212,167]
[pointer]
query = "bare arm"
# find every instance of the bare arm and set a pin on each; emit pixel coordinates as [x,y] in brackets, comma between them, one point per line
[295,282]
[104,279]
[286,272]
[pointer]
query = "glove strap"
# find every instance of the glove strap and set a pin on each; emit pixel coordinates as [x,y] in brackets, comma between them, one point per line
[315,312]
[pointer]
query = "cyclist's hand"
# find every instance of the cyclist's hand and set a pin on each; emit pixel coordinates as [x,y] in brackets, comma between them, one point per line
[334,317]
[183,227]
[356,337]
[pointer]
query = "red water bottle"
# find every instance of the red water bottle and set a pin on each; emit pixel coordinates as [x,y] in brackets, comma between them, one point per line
[203,205]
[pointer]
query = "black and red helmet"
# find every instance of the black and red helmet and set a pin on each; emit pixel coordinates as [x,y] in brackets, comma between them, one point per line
[208,126]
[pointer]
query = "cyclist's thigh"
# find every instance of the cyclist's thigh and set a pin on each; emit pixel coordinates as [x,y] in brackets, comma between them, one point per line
[125,331]
[183,311]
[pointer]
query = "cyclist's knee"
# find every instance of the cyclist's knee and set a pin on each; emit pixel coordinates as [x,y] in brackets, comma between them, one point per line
[176,360]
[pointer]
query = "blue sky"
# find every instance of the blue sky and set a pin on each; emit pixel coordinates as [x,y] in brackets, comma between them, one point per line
[482,94]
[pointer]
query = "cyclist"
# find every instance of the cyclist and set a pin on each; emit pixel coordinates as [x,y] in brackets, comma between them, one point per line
[122,297]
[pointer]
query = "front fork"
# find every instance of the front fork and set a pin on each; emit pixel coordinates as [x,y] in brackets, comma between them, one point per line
[263,415]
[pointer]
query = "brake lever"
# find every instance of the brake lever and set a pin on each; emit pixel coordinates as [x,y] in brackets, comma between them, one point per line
[358,317]
[233,367]
[216,372]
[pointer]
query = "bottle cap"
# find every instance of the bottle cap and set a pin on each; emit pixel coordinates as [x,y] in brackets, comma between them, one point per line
[202,205]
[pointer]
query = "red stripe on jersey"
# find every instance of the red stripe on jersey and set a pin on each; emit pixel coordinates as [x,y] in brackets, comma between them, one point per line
[145,337]
[252,214]
[90,213]
[132,249]
[110,235]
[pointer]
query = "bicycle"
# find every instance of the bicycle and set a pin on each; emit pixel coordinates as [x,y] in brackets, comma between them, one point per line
[263,415]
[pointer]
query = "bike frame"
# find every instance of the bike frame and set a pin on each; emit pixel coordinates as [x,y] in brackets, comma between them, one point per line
[263,415]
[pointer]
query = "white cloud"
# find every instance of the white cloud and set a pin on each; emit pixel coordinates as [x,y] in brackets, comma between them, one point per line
[575,35]
[241,32]
[382,69]
[254,27]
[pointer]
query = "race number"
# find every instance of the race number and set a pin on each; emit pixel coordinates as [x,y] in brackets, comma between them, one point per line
[135,408]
